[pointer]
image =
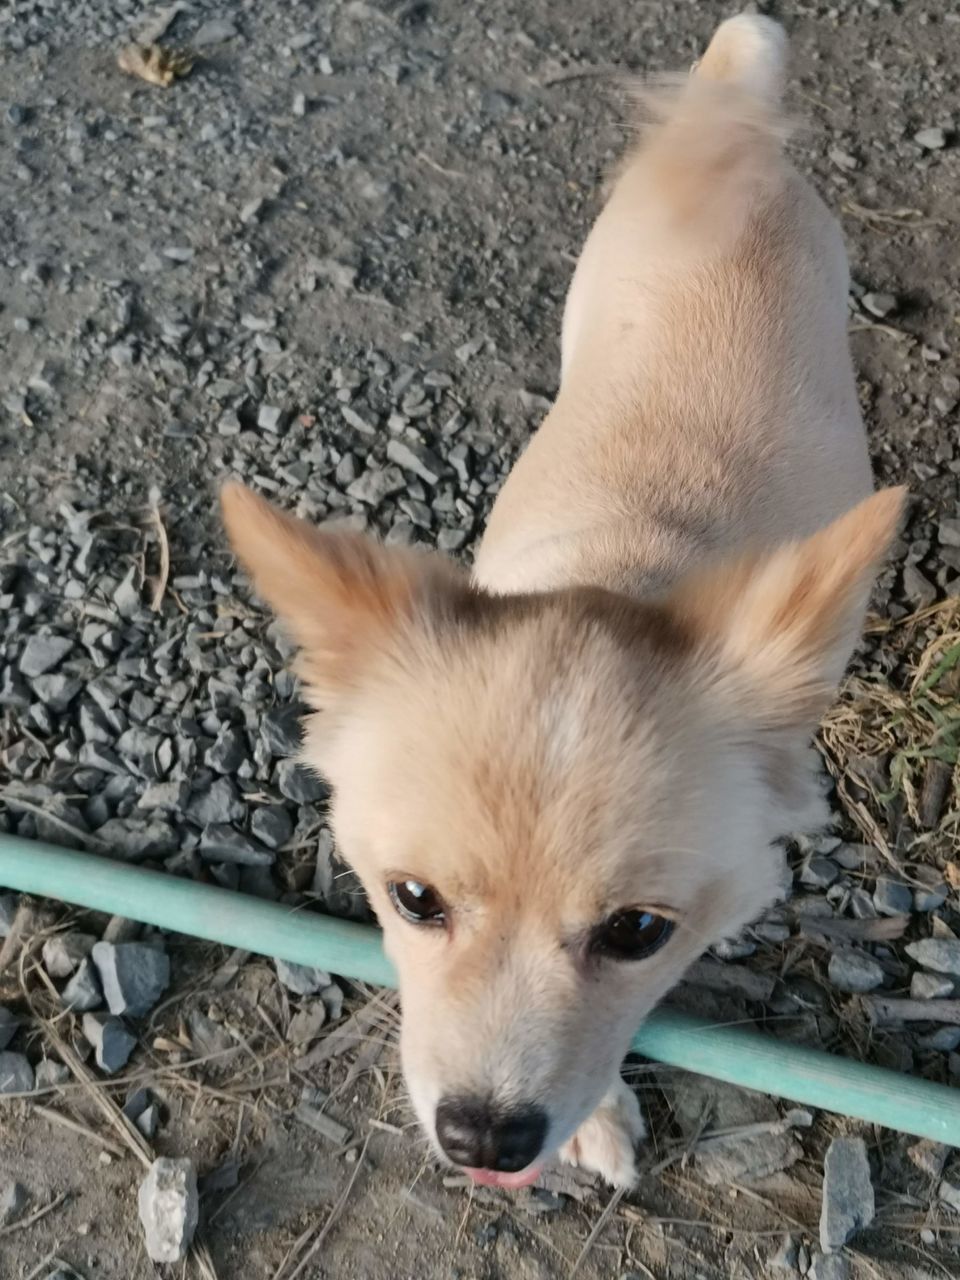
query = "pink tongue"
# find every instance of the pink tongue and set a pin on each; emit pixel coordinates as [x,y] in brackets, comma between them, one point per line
[506,1181]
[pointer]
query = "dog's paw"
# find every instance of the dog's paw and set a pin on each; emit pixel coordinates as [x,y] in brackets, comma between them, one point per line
[606,1141]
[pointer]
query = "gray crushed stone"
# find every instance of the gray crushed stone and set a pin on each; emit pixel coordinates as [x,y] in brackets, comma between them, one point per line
[134,975]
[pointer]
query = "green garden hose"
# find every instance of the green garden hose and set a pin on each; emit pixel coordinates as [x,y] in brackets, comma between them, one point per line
[732,1054]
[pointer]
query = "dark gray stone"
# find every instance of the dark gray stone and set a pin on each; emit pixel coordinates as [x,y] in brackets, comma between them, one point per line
[301,979]
[9,1024]
[134,975]
[377,483]
[218,804]
[272,825]
[819,873]
[228,751]
[940,954]
[220,843]
[891,898]
[136,1102]
[56,691]
[111,1041]
[853,971]
[300,784]
[14,1199]
[42,653]
[16,1073]
[281,729]
[83,991]
[423,462]
[828,1266]
[848,1202]
[65,951]
[170,796]
[148,1120]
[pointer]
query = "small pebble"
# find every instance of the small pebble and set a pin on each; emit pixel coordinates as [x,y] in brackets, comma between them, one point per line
[16,1073]
[930,986]
[940,954]
[148,1122]
[50,1075]
[892,898]
[270,418]
[214,31]
[250,212]
[785,1258]
[931,139]
[853,971]
[111,1041]
[828,1266]
[134,976]
[42,653]
[83,991]
[14,1198]
[819,872]
[64,952]
[8,1026]
[307,1023]
[8,912]
[302,980]
[879,304]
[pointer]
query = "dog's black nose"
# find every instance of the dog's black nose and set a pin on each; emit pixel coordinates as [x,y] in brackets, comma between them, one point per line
[479,1136]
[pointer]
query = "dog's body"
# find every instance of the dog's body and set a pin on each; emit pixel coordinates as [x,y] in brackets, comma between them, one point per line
[560,783]
[707,400]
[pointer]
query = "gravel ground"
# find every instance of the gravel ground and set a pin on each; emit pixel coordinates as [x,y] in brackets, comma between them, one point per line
[331,259]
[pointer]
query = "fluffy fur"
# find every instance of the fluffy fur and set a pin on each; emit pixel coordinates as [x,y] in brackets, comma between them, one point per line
[616,709]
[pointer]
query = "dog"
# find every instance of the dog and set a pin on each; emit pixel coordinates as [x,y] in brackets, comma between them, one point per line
[562,778]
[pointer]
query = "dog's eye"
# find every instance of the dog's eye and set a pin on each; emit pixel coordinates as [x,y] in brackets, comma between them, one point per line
[416,902]
[633,934]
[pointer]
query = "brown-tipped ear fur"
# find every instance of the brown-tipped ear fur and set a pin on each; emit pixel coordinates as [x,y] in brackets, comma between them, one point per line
[341,593]
[784,624]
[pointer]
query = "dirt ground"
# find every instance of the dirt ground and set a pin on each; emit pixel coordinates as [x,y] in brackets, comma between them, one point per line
[335,195]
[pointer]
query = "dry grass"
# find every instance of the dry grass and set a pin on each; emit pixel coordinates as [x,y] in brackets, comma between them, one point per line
[891,742]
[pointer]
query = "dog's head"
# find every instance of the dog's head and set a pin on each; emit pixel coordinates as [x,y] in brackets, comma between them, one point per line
[555,802]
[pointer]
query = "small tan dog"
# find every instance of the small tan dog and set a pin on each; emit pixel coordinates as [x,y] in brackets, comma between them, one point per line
[559,781]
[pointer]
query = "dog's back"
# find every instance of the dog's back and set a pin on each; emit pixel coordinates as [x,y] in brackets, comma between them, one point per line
[707,397]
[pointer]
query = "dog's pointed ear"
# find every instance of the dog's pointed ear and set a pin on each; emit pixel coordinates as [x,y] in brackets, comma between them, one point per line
[779,627]
[342,595]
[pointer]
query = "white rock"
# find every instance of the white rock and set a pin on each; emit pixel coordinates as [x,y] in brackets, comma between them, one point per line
[931,139]
[169,1209]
